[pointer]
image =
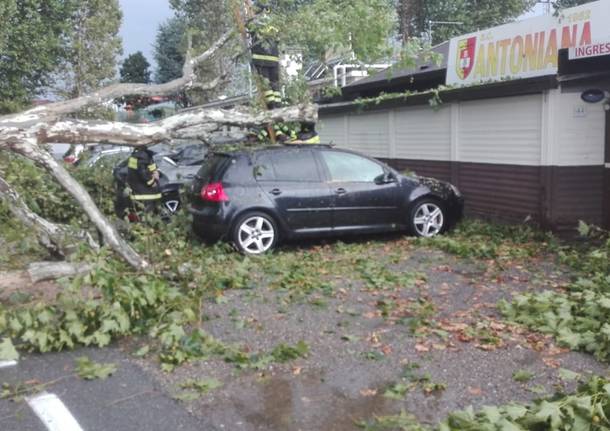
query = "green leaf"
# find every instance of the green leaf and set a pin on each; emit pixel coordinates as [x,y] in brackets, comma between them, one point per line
[549,412]
[142,351]
[522,376]
[89,370]
[568,375]
[8,351]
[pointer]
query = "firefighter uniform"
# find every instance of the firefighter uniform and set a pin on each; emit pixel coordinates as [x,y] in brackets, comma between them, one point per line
[307,135]
[266,56]
[142,178]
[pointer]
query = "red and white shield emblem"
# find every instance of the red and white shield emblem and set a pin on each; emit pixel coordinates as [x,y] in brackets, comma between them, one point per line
[465,56]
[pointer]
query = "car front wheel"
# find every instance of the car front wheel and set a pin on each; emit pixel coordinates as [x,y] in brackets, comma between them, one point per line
[428,218]
[255,233]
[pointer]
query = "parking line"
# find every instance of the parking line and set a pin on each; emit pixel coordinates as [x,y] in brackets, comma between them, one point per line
[6,364]
[53,413]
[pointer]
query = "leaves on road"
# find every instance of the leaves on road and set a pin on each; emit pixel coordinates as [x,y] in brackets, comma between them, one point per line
[89,370]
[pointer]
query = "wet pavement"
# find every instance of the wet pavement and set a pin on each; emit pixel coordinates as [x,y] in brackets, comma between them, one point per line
[437,334]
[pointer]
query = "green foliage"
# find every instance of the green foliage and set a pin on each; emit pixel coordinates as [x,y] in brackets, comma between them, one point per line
[170,48]
[135,69]
[89,370]
[563,4]
[31,43]
[400,422]
[522,376]
[587,409]
[92,46]
[323,26]
[476,239]
[46,197]
[474,15]
[8,351]
[194,389]
[578,317]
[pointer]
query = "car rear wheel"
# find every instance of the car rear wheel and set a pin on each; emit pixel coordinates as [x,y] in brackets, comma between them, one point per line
[255,233]
[428,218]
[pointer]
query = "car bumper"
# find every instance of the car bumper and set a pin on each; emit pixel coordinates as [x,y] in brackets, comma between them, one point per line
[209,223]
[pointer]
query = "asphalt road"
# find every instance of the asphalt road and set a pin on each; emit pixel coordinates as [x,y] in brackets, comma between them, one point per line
[128,400]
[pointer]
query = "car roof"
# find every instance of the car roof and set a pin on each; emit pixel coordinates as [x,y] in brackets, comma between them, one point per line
[270,148]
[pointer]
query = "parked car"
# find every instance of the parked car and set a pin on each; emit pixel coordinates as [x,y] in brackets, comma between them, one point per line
[255,198]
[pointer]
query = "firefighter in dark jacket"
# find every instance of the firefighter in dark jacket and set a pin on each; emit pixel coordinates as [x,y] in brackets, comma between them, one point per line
[266,54]
[143,179]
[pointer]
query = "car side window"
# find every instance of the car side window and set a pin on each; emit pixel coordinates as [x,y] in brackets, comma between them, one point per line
[263,168]
[346,167]
[295,165]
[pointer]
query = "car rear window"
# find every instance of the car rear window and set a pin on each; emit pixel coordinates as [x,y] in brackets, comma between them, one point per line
[213,167]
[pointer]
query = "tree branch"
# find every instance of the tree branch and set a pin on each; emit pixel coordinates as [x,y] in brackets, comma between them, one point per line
[30,149]
[205,121]
[112,92]
[57,239]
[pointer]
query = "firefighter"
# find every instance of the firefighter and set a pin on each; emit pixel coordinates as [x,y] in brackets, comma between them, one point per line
[307,135]
[265,54]
[143,179]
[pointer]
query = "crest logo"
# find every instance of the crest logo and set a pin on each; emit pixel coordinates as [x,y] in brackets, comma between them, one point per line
[465,57]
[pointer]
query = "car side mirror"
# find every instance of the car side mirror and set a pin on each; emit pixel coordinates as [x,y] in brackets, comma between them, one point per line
[386,178]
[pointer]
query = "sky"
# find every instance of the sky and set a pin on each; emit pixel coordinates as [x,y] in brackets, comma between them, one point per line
[141,18]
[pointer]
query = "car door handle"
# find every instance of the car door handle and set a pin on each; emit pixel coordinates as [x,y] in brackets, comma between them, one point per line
[276,192]
[341,191]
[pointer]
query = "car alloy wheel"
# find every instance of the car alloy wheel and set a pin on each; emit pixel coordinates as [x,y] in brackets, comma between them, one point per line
[256,234]
[428,219]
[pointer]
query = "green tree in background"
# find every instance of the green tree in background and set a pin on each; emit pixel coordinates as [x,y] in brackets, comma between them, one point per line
[93,46]
[135,69]
[170,48]
[414,16]
[31,48]
[563,4]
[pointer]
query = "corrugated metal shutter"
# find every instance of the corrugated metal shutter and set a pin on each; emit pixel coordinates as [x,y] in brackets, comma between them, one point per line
[580,132]
[506,130]
[369,133]
[332,130]
[422,133]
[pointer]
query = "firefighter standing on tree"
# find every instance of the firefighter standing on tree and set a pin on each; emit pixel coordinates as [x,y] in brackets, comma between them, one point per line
[143,178]
[265,54]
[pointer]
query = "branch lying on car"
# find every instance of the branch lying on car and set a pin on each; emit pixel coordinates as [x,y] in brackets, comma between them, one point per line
[198,122]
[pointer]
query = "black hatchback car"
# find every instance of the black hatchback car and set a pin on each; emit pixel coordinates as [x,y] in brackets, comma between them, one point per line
[255,198]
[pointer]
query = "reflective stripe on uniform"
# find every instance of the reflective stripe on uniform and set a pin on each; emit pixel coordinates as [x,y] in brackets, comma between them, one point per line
[314,140]
[152,167]
[265,57]
[132,163]
[151,182]
[146,197]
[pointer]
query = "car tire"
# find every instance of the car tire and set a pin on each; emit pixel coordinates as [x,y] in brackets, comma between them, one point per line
[428,218]
[255,233]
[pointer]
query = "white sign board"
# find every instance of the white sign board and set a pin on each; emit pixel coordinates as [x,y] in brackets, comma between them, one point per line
[587,51]
[527,48]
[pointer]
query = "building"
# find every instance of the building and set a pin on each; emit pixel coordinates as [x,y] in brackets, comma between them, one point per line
[516,130]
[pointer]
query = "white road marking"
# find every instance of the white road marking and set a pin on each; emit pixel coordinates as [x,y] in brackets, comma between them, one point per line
[5,364]
[53,413]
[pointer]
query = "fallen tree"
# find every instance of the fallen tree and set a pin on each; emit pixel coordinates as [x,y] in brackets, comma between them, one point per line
[24,133]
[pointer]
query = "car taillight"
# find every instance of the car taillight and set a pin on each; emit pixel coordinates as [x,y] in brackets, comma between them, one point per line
[214,193]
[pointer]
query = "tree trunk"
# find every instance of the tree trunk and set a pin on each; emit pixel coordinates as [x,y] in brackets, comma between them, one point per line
[29,148]
[59,240]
